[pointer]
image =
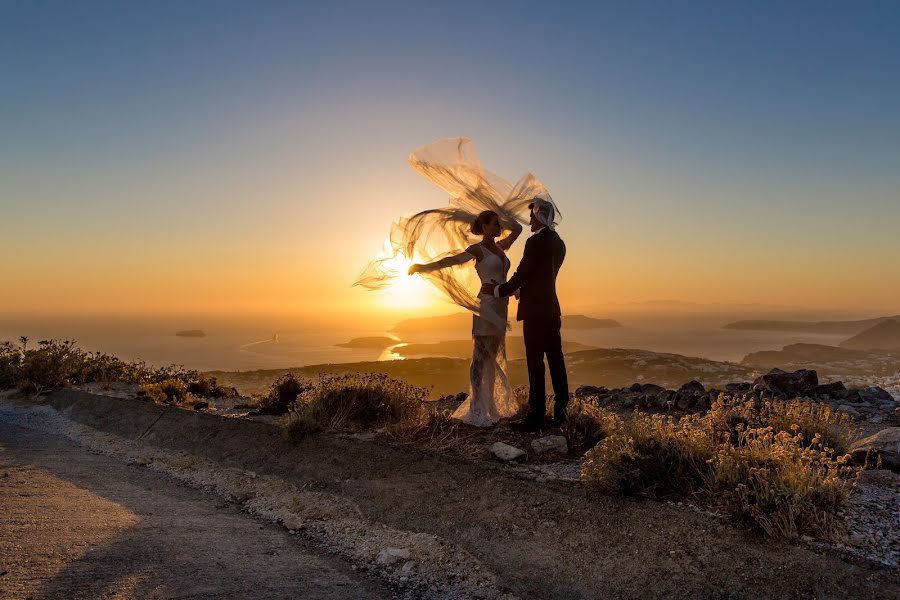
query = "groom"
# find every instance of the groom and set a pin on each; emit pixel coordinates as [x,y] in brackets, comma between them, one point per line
[540,313]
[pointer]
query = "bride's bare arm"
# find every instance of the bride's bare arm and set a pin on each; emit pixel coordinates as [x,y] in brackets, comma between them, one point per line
[515,232]
[457,259]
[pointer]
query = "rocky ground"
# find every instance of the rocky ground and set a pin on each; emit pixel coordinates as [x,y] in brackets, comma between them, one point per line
[436,526]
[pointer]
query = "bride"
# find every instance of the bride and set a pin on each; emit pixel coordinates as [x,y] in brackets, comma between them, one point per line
[438,243]
[490,396]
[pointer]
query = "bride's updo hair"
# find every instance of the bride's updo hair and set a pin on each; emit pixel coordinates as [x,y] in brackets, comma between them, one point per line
[481,219]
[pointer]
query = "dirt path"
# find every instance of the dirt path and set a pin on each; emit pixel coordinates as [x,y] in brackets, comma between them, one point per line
[521,537]
[80,525]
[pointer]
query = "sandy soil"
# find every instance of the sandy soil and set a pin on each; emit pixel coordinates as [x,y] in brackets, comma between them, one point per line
[474,529]
[80,525]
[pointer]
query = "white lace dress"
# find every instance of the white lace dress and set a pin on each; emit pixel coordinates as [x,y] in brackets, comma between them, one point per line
[490,396]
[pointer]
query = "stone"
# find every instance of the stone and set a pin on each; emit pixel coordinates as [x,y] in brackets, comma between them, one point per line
[836,389]
[848,409]
[390,556]
[590,390]
[738,388]
[651,388]
[692,388]
[796,383]
[885,445]
[635,387]
[505,451]
[407,567]
[554,443]
[875,395]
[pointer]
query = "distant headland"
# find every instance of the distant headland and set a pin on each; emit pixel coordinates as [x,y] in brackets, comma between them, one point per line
[191,333]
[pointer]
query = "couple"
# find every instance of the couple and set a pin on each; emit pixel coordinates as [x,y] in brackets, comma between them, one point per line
[534,283]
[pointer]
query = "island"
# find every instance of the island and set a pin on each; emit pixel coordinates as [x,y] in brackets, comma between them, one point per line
[463,321]
[374,342]
[191,333]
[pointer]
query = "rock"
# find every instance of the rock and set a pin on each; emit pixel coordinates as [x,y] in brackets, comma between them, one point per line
[555,443]
[407,567]
[390,556]
[590,390]
[692,388]
[884,444]
[875,395]
[636,387]
[651,388]
[797,383]
[683,401]
[848,409]
[200,405]
[836,389]
[506,452]
[738,388]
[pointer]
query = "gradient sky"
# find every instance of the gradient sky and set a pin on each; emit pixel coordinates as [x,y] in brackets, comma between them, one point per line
[237,157]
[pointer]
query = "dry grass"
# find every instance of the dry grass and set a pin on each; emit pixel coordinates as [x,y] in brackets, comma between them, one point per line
[356,402]
[779,466]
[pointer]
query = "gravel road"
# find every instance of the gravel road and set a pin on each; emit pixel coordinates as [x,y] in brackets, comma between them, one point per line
[81,525]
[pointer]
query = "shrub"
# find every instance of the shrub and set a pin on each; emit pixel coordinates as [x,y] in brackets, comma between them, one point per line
[835,429]
[433,430]
[650,456]
[170,391]
[783,483]
[281,395]
[10,364]
[357,402]
[53,364]
[778,466]
[585,425]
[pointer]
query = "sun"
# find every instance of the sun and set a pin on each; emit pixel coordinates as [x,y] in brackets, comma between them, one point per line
[406,291]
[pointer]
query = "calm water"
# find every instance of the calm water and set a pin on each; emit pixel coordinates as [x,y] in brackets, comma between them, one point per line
[247,348]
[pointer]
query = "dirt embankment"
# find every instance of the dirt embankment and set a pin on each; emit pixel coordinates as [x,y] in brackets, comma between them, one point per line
[531,539]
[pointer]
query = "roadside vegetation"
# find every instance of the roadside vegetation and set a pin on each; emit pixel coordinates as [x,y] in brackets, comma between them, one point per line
[52,364]
[781,467]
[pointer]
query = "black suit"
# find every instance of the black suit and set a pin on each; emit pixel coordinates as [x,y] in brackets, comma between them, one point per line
[540,313]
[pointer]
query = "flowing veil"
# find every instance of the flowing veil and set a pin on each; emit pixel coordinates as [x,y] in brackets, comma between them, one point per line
[453,165]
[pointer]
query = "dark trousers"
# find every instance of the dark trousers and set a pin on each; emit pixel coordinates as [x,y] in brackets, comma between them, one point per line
[542,337]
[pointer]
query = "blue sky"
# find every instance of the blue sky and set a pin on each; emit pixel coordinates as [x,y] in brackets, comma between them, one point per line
[675,132]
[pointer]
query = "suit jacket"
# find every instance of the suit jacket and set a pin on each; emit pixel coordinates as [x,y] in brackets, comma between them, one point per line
[536,276]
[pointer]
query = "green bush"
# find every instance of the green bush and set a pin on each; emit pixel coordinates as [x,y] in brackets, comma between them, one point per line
[53,364]
[10,366]
[281,395]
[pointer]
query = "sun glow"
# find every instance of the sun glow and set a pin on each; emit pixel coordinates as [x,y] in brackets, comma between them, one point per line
[406,291]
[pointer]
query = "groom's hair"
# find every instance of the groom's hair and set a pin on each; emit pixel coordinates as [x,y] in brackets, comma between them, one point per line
[482,218]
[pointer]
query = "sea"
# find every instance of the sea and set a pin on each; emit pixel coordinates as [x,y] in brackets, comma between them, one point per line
[245,346]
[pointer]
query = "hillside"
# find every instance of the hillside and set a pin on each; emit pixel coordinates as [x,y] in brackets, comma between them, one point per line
[883,336]
[610,367]
[825,327]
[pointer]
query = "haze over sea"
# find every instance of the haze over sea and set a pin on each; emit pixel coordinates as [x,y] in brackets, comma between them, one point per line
[249,343]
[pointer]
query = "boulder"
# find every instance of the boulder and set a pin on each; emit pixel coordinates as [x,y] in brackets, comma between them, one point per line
[390,556]
[651,388]
[885,445]
[875,395]
[832,390]
[506,452]
[846,408]
[550,443]
[590,390]
[782,383]
[636,387]
[692,388]
[738,388]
